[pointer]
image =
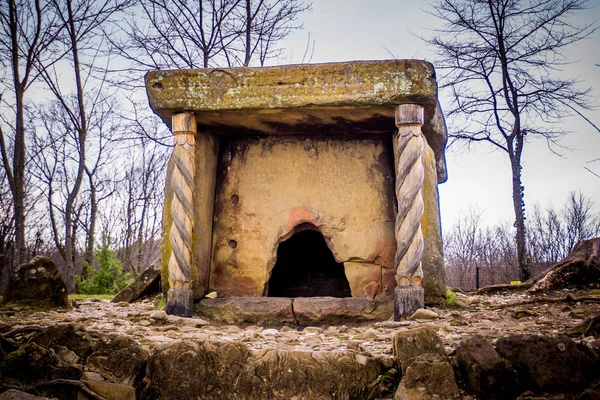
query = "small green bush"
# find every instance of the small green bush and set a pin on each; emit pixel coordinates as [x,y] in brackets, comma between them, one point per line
[109,277]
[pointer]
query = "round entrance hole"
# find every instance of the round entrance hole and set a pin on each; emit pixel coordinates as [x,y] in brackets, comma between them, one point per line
[306,268]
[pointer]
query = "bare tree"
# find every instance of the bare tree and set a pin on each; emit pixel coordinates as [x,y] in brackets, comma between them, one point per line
[582,221]
[28,29]
[500,61]
[163,34]
[461,248]
[81,38]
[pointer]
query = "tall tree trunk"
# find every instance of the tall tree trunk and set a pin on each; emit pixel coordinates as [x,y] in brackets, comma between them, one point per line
[91,237]
[248,31]
[18,186]
[82,134]
[18,169]
[519,209]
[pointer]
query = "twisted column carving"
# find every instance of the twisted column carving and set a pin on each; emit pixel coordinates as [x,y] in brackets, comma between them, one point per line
[182,211]
[408,148]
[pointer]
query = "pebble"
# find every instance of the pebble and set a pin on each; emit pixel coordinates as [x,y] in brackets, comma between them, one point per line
[268,332]
[371,334]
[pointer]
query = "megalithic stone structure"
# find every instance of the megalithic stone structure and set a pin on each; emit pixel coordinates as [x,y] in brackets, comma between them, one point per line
[409,144]
[180,296]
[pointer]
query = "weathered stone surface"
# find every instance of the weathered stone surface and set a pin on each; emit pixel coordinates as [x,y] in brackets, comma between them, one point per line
[120,361]
[484,372]
[364,280]
[189,369]
[13,394]
[415,342]
[39,282]
[108,390]
[427,379]
[270,186]
[331,310]
[549,364]
[258,310]
[337,98]
[146,283]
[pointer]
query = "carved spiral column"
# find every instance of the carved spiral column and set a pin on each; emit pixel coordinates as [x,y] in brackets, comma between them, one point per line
[409,144]
[180,297]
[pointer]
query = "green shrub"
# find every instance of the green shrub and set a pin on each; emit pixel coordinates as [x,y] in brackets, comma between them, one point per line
[109,277]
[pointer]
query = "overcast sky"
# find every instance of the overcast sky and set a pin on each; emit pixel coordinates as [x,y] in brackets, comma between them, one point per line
[345,30]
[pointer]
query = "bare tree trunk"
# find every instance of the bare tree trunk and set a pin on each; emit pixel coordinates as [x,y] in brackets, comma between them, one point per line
[248,32]
[89,251]
[519,209]
[82,133]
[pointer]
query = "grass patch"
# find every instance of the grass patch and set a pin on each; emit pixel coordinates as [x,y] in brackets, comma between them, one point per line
[452,299]
[80,296]
[161,303]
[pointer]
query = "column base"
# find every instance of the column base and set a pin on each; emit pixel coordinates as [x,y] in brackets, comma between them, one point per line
[407,300]
[180,302]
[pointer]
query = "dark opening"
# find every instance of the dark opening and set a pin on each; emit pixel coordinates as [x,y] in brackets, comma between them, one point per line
[306,267]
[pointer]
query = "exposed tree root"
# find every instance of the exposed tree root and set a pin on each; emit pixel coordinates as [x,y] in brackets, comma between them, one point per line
[567,299]
[23,329]
[57,382]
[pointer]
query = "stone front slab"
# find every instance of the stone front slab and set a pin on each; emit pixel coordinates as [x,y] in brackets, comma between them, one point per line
[257,310]
[301,310]
[346,98]
[331,310]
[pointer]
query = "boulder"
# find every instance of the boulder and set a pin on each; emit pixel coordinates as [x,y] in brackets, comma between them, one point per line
[276,374]
[412,343]
[146,283]
[13,394]
[427,378]
[483,371]
[549,364]
[210,370]
[189,369]
[71,336]
[120,361]
[37,282]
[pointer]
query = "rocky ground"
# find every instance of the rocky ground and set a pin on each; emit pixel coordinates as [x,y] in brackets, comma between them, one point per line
[491,316]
